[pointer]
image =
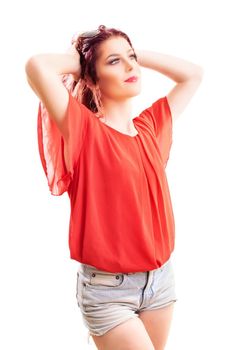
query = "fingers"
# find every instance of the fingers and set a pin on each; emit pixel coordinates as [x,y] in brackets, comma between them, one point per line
[74,38]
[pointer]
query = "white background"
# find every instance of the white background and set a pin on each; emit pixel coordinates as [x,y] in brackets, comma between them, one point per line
[38,307]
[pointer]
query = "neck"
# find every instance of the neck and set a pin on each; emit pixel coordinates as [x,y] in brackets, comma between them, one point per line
[118,114]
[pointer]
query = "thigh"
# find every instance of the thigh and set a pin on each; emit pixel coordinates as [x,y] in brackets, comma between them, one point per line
[157,323]
[130,335]
[157,313]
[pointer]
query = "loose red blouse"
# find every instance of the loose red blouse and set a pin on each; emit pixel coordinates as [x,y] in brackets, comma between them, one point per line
[121,217]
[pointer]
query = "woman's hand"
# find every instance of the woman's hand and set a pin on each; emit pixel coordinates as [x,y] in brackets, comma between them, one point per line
[73,51]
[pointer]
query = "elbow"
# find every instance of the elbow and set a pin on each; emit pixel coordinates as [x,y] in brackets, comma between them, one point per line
[29,65]
[196,74]
[199,72]
[32,73]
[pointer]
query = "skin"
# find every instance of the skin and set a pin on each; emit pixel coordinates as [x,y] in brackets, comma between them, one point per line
[148,332]
[116,94]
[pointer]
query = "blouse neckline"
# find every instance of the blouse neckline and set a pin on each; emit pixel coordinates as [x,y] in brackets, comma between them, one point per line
[119,132]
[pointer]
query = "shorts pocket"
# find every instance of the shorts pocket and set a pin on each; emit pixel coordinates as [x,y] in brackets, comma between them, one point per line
[101,279]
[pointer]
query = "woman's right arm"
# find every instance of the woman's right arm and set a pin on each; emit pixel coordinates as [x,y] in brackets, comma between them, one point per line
[44,73]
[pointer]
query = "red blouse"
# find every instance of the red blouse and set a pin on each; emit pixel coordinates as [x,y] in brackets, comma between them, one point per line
[121,216]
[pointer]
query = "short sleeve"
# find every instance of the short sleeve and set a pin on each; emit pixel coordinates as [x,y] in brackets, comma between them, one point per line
[51,144]
[159,116]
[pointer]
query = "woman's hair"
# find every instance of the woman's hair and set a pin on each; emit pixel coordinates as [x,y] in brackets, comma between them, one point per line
[87,45]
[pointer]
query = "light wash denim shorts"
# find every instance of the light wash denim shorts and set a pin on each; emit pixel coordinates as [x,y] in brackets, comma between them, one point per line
[107,299]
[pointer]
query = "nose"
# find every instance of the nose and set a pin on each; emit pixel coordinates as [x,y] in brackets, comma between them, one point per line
[128,64]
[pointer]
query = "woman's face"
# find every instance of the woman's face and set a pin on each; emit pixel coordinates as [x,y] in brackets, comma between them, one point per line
[116,63]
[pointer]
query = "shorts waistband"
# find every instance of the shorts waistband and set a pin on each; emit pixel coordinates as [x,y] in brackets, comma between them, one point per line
[91,268]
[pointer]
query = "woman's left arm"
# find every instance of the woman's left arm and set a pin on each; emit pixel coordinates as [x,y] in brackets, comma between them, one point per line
[187,75]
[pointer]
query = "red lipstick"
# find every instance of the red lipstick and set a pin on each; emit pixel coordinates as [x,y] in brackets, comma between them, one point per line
[131,79]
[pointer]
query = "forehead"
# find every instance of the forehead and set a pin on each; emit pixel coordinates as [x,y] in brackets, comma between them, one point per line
[115,45]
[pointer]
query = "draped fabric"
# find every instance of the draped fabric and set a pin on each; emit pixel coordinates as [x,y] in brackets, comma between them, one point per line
[121,216]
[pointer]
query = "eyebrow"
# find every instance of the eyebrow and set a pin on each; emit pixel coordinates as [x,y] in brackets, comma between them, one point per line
[116,54]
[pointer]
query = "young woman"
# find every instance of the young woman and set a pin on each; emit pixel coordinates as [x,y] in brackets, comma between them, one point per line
[113,167]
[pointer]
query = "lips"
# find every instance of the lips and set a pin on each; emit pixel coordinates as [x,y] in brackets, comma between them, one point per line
[131,79]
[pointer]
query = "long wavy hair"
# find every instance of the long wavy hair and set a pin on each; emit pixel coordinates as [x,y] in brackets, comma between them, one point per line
[87,45]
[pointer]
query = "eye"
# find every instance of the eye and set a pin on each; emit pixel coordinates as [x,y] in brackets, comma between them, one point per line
[134,56]
[111,62]
[117,59]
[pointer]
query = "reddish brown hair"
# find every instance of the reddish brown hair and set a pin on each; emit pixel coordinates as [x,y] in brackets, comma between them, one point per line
[87,45]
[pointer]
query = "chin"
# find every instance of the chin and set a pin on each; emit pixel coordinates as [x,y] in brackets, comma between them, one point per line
[128,93]
[135,93]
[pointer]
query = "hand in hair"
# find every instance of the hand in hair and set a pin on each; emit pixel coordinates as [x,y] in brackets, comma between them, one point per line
[73,51]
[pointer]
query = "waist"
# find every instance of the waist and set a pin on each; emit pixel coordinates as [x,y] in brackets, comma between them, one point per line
[91,268]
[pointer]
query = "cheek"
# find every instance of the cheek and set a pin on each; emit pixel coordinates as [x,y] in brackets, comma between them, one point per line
[109,80]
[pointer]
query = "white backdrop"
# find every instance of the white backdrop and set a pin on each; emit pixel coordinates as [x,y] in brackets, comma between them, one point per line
[38,307]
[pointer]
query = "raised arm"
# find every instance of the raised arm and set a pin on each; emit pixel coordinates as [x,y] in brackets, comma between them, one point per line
[44,73]
[187,76]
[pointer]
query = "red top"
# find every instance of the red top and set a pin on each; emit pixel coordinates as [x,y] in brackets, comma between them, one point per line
[121,216]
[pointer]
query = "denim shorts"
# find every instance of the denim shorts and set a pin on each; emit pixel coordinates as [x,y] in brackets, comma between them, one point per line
[107,299]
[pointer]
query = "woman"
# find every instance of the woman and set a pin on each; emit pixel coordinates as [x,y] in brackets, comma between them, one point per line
[113,167]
